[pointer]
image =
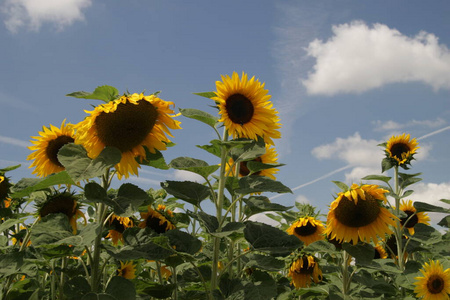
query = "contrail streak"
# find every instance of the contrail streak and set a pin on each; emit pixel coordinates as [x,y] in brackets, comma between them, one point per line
[15,142]
[433,133]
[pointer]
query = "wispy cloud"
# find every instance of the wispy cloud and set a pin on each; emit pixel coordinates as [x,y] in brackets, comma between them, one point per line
[394,126]
[33,13]
[14,142]
[356,57]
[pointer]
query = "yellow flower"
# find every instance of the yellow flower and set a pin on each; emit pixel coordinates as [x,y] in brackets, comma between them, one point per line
[412,217]
[357,215]
[127,270]
[118,226]
[46,147]
[435,283]
[401,149]
[155,220]
[307,229]
[380,252]
[131,124]
[245,108]
[17,237]
[4,189]
[303,271]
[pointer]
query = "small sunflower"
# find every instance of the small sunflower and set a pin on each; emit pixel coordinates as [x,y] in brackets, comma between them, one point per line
[64,203]
[412,217]
[118,226]
[401,149]
[357,215]
[46,147]
[307,229]
[380,252]
[303,271]
[158,220]
[17,237]
[127,270]
[131,124]
[435,283]
[5,186]
[245,108]
[269,157]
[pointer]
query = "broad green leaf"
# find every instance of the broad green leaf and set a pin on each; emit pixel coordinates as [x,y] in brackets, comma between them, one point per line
[76,288]
[183,242]
[362,252]
[341,186]
[266,238]
[188,191]
[445,222]
[206,94]
[80,167]
[264,289]
[199,115]
[386,164]
[95,296]
[320,246]
[7,169]
[208,221]
[426,234]
[105,93]
[445,201]
[96,193]
[155,160]
[51,229]
[385,179]
[10,263]
[148,250]
[121,288]
[230,229]
[214,148]
[194,165]
[258,184]
[248,150]
[128,200]
[422,206]
[258,204]
[229,286]
[10,223]
[155,290]
[26,186]
[264,262]
[256,166]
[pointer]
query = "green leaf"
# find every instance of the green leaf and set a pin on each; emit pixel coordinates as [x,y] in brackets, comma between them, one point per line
[321,246]
[196,166]
[121,288]
[7,169]
[26,186]
[341,185]
[259,204]
[209,222]
[188,191]
[269,239]
[96,193]
[386,164]
[80,167]
[199,115]
[95,296]
[247,149]
[445,222]
[258,184]
[263,289]
[76,288]
[183,241]
[155,160]
[129,198]
[256,166]
[422,206]
[105,93]
[51,229]
[10,263]
[445,201]
[426,234]
[10,223]
[155,290]
[206,94]
[385,179]
[264,262]
[213,148]
[362,252]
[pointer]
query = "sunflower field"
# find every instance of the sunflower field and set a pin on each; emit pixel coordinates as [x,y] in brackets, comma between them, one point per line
[70,233]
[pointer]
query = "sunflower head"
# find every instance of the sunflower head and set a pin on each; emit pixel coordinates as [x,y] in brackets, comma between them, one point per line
[245,108]
[303,270]
[127,270]
[5,186]
[307,229]
[46,147]
[358,215]
[132,124]
[435,282]
[400,150]
[159,220]
[63,203]
[412,216]
[117,226]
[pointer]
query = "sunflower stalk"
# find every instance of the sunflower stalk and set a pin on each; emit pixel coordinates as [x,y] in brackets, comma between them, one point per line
[398,228]
[346,277]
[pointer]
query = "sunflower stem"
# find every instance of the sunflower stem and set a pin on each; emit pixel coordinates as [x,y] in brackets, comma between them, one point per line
[398,229]
[346,278]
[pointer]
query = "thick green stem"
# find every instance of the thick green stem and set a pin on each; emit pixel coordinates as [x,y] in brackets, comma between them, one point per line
[346,278]
[398,227]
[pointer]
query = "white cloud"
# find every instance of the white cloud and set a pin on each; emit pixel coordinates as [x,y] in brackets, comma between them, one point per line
[431,193]
[302,199]
[33,13]
[187,176]
[14,142]
[358,58]
[394,126]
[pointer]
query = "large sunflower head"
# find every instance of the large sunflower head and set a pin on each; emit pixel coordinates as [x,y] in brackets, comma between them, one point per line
[117,226]
[159,220]
[401,149]
[303,271]
[307,229]
[412,216]
[435,282]
[357,215]
[64,203]
[245,108]
[127,270]
[46,147]
[269,157]
[131,124]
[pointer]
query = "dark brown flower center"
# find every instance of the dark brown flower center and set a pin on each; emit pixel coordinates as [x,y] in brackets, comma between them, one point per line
[357,215]
[244,170]
[53,147]
[412,221]
[128,126]
[4,187]
[64,204]
[117,226]
[435,284]
[306,268]
[153,223]
[305,230]
[239,108]
[398,149]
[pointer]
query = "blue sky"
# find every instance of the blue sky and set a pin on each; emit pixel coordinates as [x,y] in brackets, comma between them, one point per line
[344,75]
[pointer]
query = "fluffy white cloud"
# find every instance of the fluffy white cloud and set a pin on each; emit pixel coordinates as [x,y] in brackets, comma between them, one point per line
[431,193]
[187,176]
[33,13]
[358,58]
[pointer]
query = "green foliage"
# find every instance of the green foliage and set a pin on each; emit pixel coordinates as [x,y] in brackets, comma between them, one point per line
[200,116]
[105,93]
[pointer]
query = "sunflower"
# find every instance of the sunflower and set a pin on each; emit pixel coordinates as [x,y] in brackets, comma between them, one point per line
[46,147]
[158,220]
[127,270]
[380,252]
[307,229]
[401,149]
[64,203]
[357,215]
[131,124]
[304,270]
[4,187]
[435,283]
[269,157]
[17,237]
[118,226]
[245,108]
[412,217]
